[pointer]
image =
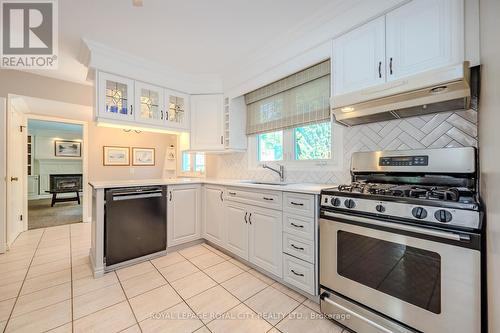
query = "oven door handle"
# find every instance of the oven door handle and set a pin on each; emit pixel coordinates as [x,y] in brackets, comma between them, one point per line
[354,314]
[403,227]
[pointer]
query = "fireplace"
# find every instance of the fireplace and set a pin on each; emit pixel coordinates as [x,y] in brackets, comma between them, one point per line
[66,183]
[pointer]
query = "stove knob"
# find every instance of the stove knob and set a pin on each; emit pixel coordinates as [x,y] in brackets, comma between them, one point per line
[443,216]
[419,213]
[335,202]
[380,208]
[349,203]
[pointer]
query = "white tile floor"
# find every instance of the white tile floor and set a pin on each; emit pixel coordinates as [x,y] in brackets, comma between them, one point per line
[46,285]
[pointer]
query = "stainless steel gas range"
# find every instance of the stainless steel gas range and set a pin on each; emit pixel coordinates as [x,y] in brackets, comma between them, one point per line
[400,247]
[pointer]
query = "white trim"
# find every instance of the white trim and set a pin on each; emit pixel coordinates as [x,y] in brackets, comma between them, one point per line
[86,206]
[3,174]
[334,164]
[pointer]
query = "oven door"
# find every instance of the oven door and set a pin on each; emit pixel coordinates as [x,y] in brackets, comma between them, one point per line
[414,275]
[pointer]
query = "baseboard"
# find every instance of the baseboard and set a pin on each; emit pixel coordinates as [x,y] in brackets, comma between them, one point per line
[3,248]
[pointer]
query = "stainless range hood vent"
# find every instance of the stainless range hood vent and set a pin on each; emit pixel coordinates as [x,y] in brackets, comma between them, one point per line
[447,89]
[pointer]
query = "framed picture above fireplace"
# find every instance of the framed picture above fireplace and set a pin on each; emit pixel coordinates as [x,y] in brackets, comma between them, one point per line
[64,148]
[116,156]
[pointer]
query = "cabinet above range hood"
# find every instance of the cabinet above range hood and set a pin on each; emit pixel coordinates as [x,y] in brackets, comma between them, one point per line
[451,88]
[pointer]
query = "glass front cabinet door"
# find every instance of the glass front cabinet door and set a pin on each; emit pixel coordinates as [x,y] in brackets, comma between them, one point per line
[178,109]
[149,102]
[116,97]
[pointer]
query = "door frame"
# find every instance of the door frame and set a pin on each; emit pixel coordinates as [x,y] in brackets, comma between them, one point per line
[86,206]
[3,174]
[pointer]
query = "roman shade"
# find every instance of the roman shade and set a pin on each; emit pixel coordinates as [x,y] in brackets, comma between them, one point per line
[301,98]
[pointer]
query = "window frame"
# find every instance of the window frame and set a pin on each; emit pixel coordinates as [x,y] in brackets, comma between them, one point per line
[191,172]
[289,161]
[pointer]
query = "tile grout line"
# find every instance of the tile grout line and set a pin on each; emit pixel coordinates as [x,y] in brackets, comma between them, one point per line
[128,301]
[22,284]
[182,298]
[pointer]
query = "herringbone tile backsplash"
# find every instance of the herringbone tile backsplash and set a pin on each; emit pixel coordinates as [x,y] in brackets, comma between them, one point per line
[449,129]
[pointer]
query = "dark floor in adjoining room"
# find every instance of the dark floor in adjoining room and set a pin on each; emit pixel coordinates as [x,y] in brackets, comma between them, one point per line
[41,215]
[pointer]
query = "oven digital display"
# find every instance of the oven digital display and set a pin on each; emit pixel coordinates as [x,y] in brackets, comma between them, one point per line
[404,161]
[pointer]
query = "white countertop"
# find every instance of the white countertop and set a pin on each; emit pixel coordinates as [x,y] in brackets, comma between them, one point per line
[309,188]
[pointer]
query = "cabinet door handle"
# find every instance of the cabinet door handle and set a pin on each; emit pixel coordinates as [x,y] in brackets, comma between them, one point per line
[170,197]
[221,139]
[161,114]
[296,225]
[296,203]
[294,272]
[390,66]
[268,199]
[250,218]
[380,69]
[297,247]
[246,213]
[131,109]
[221,193]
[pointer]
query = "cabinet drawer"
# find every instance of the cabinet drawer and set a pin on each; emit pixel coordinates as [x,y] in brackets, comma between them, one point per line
[262,198]
[299,226]
[298,247]
[299,273]
[301,204]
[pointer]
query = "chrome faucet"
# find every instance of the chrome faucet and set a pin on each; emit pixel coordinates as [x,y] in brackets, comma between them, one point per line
[280,171]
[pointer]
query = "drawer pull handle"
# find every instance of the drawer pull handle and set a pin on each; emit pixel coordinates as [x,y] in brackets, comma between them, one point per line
[297,247]
[268,199]
[296,225]
[296,203]
[294,272]
[232,193]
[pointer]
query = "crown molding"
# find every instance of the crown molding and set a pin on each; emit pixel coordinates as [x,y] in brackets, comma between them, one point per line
[97,56]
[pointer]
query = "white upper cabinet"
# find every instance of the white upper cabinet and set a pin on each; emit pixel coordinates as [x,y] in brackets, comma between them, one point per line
[177,110]
[115,96]
[149,104]
[419,36]
[359,58]
[424,35]
[207,131]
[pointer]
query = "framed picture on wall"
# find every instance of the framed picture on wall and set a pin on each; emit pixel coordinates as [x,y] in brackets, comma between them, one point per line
[143,156]
[116,156]
[64,148]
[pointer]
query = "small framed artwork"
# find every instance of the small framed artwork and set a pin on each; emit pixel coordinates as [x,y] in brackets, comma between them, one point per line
[143,156]
[65,148]
[116,156]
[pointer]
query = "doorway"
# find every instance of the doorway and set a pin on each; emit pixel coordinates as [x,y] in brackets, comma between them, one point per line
[54,173]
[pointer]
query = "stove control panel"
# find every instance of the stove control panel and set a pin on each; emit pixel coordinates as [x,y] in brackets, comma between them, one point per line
[404,161]
[421,214]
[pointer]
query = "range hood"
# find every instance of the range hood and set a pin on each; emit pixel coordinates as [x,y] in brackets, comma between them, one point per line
[445,89]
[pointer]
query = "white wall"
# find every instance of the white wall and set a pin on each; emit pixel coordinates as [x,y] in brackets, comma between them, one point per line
[489,139]
[3,168]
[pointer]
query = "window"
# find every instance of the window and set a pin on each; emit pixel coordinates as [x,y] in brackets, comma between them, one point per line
[313,146]
[193,163]
[313,142]
[270,146]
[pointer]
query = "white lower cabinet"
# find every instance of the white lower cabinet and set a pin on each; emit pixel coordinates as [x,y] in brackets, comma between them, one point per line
[254,234]
[299,273]
[183,214]
[265,229]
[213,218]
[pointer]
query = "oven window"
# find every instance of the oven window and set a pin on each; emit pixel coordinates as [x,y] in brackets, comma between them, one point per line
[408,273]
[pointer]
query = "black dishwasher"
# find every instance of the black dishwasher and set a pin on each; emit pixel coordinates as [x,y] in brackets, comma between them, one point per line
[135,223]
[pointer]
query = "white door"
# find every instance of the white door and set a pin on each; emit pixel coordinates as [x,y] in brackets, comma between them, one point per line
[115,96]
[149,104]
[214,225]
[177,108]
[265,240]
[207,122]
[359,58]
[424,35]
[183,214]
[16,173]
[237,229]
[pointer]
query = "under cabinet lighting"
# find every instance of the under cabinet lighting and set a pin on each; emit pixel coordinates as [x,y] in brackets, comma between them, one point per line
[347,109]
[137,129]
